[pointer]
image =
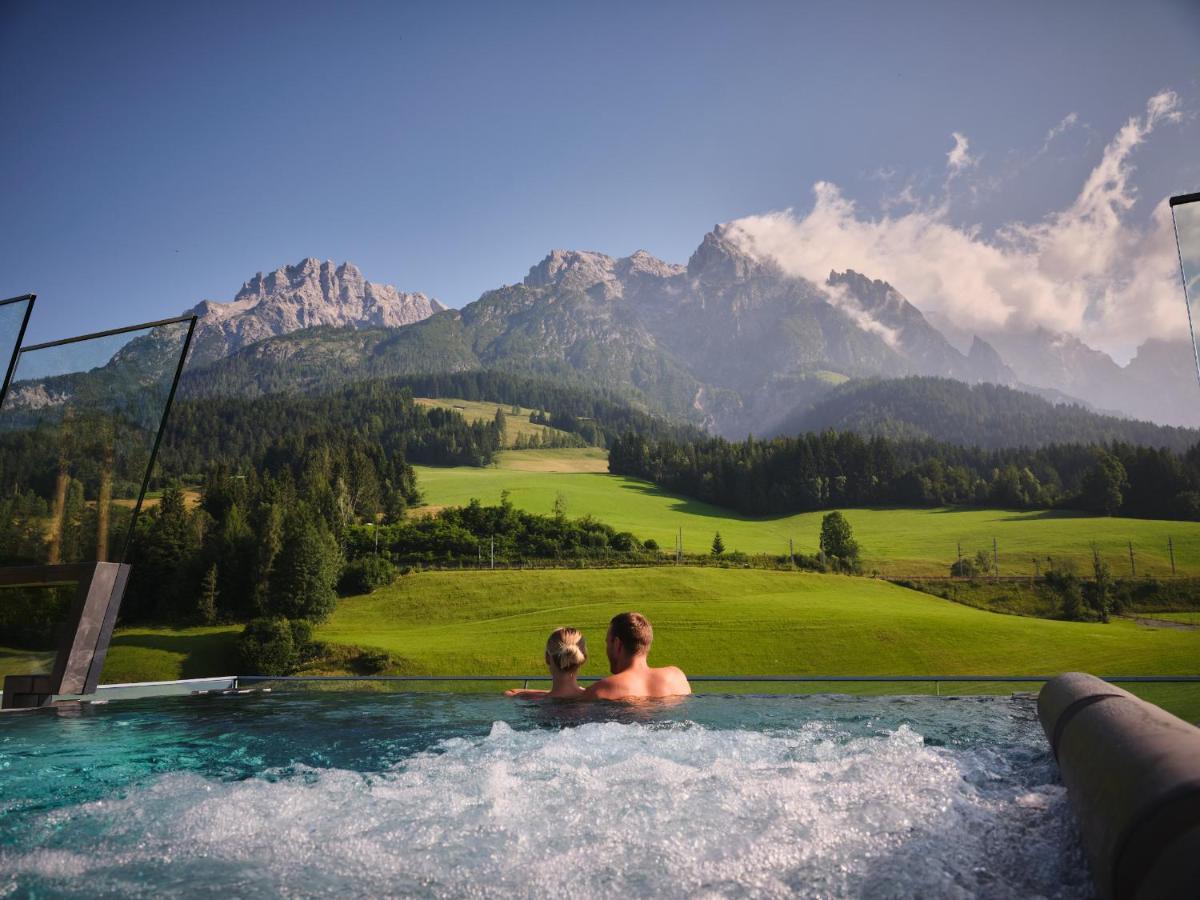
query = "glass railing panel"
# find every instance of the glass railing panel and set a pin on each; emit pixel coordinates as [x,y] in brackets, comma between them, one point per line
[14,316]
[1186,211]
[78,432]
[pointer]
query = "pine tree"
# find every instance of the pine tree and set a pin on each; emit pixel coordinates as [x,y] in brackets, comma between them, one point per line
[718,545]
[305,570]
[207,605]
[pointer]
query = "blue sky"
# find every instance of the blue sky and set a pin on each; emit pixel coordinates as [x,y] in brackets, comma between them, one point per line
[157,154]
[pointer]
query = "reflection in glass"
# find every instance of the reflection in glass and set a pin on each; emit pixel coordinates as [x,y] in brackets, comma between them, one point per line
[1186,212]
[78,431]
[14,314]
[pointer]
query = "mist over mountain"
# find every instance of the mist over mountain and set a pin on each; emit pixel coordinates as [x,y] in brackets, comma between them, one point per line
[730,341]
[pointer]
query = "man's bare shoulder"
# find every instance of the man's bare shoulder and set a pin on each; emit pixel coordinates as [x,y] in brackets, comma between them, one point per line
[609,688]
[672,678]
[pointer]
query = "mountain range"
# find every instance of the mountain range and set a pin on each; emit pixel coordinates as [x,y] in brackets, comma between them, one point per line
[727,341]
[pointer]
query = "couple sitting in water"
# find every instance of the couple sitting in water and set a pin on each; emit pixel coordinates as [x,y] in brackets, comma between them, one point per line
[627,645]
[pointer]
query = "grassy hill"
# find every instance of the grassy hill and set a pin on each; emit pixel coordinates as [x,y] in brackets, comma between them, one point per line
[517,424]
[710,621]
[896,542]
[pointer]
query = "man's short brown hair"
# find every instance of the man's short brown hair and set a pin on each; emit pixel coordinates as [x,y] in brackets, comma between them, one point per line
[633,631]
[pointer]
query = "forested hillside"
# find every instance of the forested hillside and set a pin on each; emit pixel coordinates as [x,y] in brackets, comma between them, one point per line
[982,415]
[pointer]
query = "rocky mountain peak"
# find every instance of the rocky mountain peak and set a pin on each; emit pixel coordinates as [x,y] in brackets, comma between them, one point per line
[575,269]
[987,364]
[303,295]
[720,258]
[598,274]
[872,294]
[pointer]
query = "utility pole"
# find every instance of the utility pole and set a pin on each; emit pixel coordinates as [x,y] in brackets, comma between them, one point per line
[995,559]
[493,551]
[792,553]
[1037,569]
[958,569]
[1171,550]
[1132,565]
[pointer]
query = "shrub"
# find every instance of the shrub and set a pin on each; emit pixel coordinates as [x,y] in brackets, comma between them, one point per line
[372,662]
[365,574]
[624,542]
[267,647]
[963,568]
[651,545]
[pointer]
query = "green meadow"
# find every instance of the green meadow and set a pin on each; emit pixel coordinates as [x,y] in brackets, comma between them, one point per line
[895,542]
[710,621]
[516,424]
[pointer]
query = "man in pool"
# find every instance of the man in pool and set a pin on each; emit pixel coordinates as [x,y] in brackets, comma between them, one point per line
[628,644]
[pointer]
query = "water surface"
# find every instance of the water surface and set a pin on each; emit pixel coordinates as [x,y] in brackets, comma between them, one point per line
[443,795]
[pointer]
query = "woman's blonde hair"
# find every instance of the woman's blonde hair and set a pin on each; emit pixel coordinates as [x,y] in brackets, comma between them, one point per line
[566,649]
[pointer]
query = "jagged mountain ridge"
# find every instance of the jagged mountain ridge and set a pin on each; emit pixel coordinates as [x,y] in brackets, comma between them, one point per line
[291,298]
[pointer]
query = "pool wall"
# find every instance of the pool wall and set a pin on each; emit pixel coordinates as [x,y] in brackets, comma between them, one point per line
[1132,771]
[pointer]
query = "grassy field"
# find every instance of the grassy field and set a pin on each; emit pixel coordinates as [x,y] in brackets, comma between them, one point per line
[710,621]
[482,411]
[895,542]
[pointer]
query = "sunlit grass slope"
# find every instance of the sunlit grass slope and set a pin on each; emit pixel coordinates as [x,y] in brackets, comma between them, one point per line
[710,621]
[719,621]
[482,411]
[895,541]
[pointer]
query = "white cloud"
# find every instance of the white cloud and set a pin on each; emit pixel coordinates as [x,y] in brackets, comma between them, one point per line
[1068,121]
[1086,269]
[959,157]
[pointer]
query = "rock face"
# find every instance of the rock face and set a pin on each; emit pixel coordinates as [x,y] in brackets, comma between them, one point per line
[876,305]
[305,295]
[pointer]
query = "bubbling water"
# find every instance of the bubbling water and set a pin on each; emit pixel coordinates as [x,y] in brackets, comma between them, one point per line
[600,809]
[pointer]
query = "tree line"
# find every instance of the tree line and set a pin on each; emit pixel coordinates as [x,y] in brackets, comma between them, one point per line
[843,469]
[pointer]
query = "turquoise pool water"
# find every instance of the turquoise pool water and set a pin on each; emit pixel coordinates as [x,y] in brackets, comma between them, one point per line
[443,795]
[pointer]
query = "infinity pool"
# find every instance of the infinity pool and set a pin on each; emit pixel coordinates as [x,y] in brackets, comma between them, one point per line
[441,795]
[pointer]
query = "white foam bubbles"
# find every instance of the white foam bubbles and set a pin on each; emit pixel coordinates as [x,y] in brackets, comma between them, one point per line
[601,809]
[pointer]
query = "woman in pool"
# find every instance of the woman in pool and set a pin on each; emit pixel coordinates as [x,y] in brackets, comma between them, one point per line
[566,652]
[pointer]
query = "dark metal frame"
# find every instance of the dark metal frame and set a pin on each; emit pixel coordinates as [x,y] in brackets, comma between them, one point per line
[16,352]
[1175,201]
[162,424]
[84,635]
[87,631]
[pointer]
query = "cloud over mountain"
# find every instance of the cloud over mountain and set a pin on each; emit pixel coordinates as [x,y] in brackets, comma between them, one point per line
[1090,269]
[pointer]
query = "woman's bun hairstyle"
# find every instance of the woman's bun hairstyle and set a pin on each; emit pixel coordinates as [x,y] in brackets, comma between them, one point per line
[566,649]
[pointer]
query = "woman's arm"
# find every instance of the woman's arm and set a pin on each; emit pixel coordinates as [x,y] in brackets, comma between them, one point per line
[525,694]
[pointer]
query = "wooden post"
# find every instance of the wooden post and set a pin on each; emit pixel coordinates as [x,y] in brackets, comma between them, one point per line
[493,551]
[1132,565]
[995,559]
[792,553]
[959,569]
[1171,550]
